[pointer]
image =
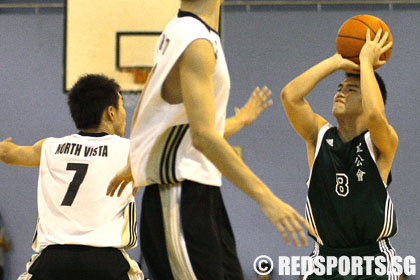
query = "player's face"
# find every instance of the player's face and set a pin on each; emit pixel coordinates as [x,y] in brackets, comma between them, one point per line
[348,99]
[120,116]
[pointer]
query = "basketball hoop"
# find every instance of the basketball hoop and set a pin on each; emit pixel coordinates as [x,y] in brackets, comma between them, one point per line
[140,73]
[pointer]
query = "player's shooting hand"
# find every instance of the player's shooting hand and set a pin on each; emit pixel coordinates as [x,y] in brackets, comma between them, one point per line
[121,180]
[257,103]
[286,219]
[347,65]
[373,49]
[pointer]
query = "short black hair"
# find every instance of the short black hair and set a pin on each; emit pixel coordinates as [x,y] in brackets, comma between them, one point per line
[89,97]
[380,81]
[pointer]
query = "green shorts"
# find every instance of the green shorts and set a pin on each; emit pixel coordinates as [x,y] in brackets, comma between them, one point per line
[371,262]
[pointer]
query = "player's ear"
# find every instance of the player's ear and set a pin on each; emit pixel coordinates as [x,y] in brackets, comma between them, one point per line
[109,112]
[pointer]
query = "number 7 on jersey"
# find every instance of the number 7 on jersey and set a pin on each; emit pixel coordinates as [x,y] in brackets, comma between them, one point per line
[79,176]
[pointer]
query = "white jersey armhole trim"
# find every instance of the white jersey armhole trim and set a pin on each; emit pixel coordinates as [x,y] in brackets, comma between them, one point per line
[321,134]
[369,144]
[166,74]
[173,61]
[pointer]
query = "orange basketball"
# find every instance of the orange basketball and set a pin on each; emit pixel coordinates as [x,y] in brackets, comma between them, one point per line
[352,36]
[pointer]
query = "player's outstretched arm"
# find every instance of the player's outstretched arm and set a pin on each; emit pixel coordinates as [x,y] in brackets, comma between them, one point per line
[196,66]
[383,135]
[257,103]
[13,154]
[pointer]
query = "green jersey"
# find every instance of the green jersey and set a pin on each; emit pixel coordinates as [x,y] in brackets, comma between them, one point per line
[348,204]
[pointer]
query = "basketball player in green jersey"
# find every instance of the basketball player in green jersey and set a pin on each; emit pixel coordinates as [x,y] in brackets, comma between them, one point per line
[348,205]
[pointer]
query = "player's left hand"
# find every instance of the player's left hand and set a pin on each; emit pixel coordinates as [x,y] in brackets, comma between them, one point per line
[121,180]
[346,65]
[373,49]
[257,103]
[286,219]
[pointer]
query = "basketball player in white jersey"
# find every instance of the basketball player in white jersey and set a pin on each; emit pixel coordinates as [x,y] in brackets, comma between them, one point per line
[81,233]
[178,151]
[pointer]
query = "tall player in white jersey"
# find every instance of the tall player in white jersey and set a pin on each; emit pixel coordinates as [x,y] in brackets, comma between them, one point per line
[178,151]
[81,233]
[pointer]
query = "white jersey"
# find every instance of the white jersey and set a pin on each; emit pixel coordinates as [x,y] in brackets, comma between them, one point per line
[161,151]
[73,207]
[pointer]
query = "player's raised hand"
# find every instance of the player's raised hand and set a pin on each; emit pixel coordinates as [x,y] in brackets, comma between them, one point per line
[121,180]
[286,219]
[257,103]
[373,49]
[347,65]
